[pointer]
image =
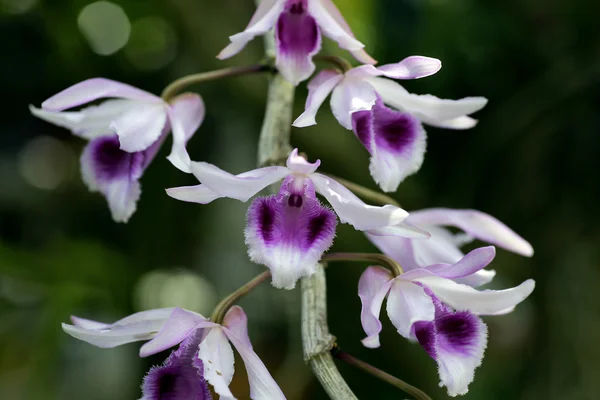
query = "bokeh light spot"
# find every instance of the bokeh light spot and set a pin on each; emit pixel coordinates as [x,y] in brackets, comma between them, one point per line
[105,26]
[45,162]
[152,44]
[18,6]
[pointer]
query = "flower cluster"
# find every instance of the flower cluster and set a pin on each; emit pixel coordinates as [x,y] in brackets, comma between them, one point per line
[433,300]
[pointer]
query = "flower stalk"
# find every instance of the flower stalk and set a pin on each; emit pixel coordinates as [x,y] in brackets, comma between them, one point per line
[390,263]
[340,62]
[225,304]
[366,193]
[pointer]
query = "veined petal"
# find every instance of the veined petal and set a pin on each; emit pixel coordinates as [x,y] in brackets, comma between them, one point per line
[262,384]
[240,187]
[193,194]
[140,326]
[473,262]
[263,19]
[181,324]
[289,232]
[477,224]
[429,109]
[180,376]
[457,341]
[484,302]
[408,303]
[349,96]
[413,67]
[354,211]
[114,173]
[360,54]
[93,89]
[298,39]
[330,24]
[185,115]
[395,140]
[217,357]
[299,164]
[373,286]
[140,126]
[318,89]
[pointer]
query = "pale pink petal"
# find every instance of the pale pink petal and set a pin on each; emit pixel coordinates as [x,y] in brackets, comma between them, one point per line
[297,163]
[262,384]
[179,325]
[373,286]
[140,126]
[408,303]
[401,229]
[477,224]
[193,194]
[241,187]
[354,211]
[349,96]
[398,248]
[413,67]
[185,115]
[484,302]
[93,89]
[264,18]
[318,89]
[479,278]
[217,357]
[473,262]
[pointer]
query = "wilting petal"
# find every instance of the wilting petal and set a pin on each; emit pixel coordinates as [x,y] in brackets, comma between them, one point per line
[289,232]
[318,89]
[477,224]
[395,140]
[140,126]
[353,210]
[349,96]
[217,356]
[240,187]
[179,326]
[262,385]
[413,67]
[193,194]
[263,19]
[185,115]
[457,341]
[373,286]
[298,39]
[114,173]
[473,262]
[429,109]
[484,302]
[89,122]
[181,375]
[140,326]
[299,164]
[94,89]
[408,303]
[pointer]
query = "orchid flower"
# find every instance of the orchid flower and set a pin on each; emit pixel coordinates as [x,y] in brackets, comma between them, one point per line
[204,353]
[298,25]
[427,305]
[289,232]
[444,247]
[394,137]
[124,134]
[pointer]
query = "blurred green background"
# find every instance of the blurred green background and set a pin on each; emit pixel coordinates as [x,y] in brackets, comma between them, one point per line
[532,162]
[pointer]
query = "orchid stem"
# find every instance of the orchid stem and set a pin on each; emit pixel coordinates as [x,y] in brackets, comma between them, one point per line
[366,193]
[390,263]
[225,304]
[179,84]
[384,376]
[339,62]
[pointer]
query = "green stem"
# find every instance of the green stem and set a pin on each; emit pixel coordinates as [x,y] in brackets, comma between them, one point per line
[178,85]
[366,193]
[392,265]
[384,376]
[225,304]
[339,62]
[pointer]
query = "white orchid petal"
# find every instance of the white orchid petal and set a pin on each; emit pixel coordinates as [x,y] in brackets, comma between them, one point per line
[217,357]
[408,303]
[318,89]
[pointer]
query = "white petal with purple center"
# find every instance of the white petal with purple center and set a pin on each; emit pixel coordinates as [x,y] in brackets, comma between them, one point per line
[351,95]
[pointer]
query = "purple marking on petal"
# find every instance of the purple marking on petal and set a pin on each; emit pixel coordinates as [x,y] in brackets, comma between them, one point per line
[181,375]
[459,332]
[426,335]
[394,130]
[362,125]
[289,232]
